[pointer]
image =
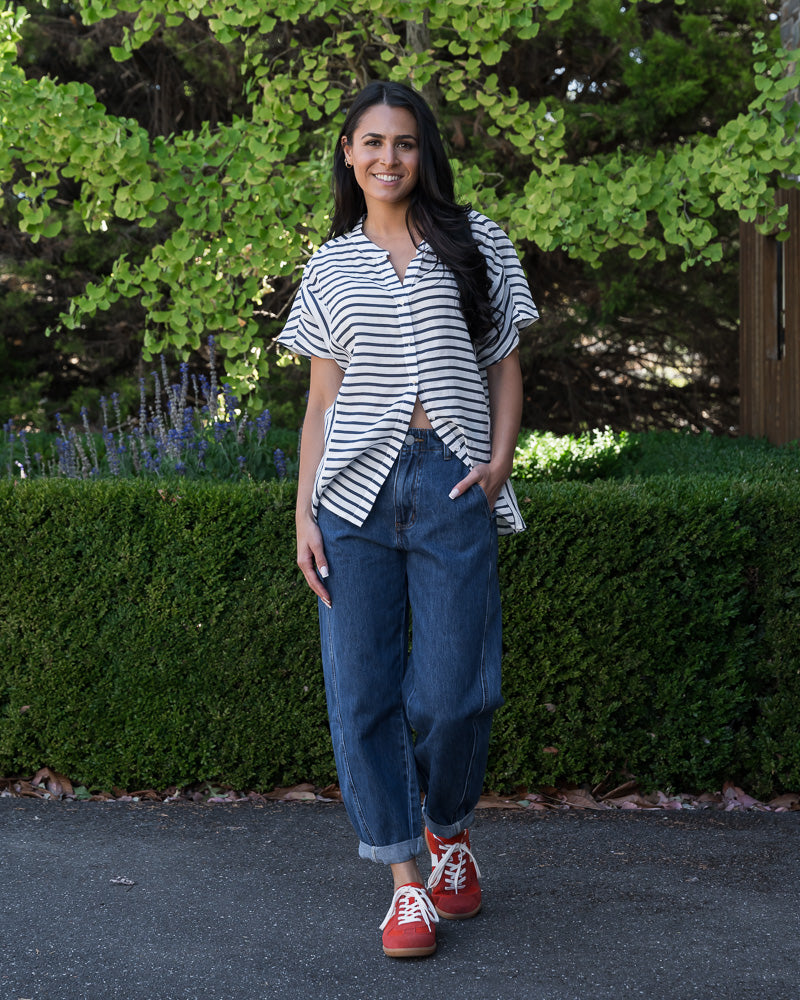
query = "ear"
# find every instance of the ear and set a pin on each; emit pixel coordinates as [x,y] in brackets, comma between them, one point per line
[345,145]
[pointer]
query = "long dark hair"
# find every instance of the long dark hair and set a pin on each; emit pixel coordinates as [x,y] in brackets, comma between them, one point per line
[432,211]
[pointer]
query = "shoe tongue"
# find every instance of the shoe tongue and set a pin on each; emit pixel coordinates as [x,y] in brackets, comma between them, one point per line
[412,885]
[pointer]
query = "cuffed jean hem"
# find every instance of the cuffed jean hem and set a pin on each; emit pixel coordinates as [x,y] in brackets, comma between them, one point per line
[391,854]
[453,829]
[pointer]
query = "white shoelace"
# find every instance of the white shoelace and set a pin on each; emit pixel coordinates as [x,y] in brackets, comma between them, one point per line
[453,865]
[413,904]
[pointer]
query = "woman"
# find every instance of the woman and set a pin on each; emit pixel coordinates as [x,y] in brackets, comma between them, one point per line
[410,314]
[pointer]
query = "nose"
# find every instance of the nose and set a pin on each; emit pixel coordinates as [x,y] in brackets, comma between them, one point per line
[388,154]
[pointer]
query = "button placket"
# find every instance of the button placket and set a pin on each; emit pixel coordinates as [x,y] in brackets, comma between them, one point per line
[406,325]
[400,294]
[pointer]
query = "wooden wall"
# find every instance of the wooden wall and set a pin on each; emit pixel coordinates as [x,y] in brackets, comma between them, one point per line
[769,336]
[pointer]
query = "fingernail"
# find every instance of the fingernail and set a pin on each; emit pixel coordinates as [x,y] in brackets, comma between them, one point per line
[323,572]
[326,603]
[453,493]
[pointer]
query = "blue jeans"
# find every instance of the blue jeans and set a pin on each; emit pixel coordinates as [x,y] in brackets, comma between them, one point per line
[412,717]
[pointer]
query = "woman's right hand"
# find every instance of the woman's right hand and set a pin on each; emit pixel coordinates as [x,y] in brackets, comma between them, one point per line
[311,556]
[326,379]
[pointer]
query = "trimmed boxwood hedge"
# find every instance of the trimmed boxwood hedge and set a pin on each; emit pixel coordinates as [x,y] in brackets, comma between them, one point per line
[153,635]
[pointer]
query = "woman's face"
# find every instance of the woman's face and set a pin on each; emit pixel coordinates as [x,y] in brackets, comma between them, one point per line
[385,154]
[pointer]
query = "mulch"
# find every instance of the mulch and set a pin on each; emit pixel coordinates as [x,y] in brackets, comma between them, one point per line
[50,784]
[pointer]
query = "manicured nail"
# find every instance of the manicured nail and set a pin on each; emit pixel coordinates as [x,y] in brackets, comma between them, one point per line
[454,493]
[323,572]
[326,603]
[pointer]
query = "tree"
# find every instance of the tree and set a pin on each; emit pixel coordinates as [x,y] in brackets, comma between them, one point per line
[587,129]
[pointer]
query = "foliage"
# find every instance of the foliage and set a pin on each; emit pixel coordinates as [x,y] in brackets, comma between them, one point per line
[644,609]
[168,626]
[243,201]
[227,443]
[592,455]
[193,428]
[159,636]
[745,459]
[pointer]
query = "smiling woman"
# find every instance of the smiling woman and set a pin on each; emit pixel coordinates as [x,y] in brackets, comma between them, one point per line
[384,155]
[410,314]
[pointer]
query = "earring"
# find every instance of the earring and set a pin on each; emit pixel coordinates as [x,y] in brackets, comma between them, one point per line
[348,164]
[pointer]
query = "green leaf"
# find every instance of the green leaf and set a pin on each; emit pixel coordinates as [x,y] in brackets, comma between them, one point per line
[52,229]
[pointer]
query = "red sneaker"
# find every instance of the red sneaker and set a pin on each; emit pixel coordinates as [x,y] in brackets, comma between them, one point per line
[453,884]
[408,930]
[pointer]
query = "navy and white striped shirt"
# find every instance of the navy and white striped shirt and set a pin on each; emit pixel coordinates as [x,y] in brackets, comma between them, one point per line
[395,341]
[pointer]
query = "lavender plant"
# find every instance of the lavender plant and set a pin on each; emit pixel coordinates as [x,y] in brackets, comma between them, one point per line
[192,428]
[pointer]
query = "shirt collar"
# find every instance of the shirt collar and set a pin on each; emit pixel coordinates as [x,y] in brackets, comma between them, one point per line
[367,247]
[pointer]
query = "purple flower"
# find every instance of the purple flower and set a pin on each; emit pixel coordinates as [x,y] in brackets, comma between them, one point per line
[263,424]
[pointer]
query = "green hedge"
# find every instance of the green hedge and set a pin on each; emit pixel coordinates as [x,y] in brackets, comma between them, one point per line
[152,636]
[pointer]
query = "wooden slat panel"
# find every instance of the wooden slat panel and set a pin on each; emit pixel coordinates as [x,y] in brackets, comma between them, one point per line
[790,414]
[769,386]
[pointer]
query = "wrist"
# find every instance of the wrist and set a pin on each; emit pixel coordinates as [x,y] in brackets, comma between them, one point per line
[303,514]
[502,465]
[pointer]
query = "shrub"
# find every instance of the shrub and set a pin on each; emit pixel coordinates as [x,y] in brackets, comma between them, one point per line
[595,454]
[155,634]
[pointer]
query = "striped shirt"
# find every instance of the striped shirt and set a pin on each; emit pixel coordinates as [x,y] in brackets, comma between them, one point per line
[395,341]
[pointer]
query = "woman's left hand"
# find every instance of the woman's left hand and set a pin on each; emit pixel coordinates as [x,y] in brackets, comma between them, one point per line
[490,478]
[505,406]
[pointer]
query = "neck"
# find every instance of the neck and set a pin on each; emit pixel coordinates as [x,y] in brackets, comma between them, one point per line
[386,221]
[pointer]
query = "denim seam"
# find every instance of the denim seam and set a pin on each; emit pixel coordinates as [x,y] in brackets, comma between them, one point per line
[409,759]
[484,697]
[342,740]
[408,756]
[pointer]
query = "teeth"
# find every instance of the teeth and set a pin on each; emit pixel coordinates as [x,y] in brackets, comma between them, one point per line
[388,177]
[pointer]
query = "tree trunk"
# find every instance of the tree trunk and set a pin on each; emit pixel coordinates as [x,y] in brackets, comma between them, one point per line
[418,39]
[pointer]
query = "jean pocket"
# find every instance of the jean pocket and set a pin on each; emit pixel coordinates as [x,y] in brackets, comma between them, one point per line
[481,500]
[484,500]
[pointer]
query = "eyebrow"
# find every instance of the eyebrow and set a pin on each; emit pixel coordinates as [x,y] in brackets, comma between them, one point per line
[379,135]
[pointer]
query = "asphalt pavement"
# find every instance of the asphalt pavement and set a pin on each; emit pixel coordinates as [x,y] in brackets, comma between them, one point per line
[156,901]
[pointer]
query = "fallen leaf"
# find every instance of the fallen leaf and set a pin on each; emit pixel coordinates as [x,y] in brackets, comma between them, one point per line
[633,801]
[148,794]
[492,801]
[709,799]
[579,798]
[791,800]
[666,802]
[628,786]
[56,784]
[283,794]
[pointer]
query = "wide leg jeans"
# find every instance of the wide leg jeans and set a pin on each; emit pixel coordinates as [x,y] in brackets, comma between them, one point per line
[410,718]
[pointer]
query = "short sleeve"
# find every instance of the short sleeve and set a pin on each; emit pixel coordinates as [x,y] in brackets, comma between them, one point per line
[307,331]
[510,295]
